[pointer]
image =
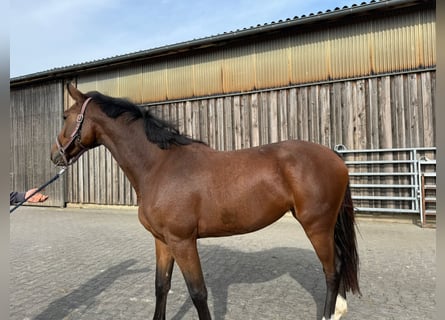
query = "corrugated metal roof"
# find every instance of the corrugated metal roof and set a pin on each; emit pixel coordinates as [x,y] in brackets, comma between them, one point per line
[214,40]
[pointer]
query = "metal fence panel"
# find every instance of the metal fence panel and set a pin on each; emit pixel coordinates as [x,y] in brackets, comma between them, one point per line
[392,180]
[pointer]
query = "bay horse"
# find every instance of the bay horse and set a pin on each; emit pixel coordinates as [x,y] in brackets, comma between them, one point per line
[187,190]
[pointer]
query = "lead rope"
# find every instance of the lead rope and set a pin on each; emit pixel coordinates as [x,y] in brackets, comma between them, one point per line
[57,176]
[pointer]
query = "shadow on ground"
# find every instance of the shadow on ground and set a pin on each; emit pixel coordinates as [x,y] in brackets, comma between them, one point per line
[239,268]
[257,267]
[87,292]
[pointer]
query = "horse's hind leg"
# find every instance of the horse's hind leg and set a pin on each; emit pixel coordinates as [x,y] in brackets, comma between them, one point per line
[341,306]
[325,249]
[320,231]
[164,268]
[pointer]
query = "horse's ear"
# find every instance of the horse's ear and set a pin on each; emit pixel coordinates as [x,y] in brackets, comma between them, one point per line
[74,93]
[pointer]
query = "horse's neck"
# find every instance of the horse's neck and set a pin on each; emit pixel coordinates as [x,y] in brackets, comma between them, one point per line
[131,149]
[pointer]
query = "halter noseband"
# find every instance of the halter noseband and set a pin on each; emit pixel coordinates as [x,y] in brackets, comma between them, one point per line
[75,136]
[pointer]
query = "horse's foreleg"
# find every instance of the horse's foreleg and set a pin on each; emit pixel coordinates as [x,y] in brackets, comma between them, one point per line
[164,268]
[187,258]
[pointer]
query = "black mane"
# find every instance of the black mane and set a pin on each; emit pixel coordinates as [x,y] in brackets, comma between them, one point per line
[158,131]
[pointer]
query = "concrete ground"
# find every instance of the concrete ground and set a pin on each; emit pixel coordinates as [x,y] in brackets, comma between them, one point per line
[95,263]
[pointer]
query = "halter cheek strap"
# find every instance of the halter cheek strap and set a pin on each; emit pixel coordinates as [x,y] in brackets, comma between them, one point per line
[75,136]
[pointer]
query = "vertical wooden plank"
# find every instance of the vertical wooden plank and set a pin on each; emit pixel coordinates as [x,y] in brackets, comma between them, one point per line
[112,179]
[212,124]
[32,133]
[433,107]
[372,130]
[292,116]
[119,179]
[283,125]
[106,188]
[100,178]
[413,114]
[428,115]
[91,171]
[103,169]
[130,194]
[273,116]
[181,117]
[337,126]
[228,124]
[303,114]
[264,119]
[255,119]
[188,123]
[245,121]
[237,126]
[347,107]
[203,120]
[120,185]
[166,113]
[354,114]
[81,179]
[220,123]
[16,122]
[313,111]
[325,116]
[195,120]
[173,114]
[88,192]
[399,132]
[406,112]
[385,132]
[15,101]
[72,188]
[360,121]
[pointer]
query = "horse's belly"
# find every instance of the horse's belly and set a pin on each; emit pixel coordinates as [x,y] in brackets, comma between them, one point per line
[236,221]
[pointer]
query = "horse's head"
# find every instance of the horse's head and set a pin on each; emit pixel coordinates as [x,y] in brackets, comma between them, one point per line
[77,134]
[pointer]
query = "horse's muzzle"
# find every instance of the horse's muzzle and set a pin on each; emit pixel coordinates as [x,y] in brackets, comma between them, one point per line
[57,158]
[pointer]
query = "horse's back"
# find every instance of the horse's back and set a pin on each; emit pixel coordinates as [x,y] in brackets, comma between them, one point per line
[306,159]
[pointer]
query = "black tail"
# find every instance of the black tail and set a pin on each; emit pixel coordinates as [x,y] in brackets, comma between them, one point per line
[346,244]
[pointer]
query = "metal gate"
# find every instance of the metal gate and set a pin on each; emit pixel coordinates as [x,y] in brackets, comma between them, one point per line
[427,194]
[393,180]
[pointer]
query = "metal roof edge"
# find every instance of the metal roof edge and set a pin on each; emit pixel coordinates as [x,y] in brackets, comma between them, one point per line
[337,13]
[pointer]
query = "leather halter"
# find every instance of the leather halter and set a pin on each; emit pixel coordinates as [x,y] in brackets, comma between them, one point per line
[75,137]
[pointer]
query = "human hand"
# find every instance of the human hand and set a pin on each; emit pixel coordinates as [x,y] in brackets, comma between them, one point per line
[38,197]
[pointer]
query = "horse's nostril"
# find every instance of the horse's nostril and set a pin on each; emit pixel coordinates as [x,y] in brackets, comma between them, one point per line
[56,158]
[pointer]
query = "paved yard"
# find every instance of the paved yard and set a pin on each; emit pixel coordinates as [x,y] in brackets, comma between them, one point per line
[99,264]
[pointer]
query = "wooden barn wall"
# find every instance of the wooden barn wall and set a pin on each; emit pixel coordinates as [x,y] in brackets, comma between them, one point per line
[379,112]
[35,119]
